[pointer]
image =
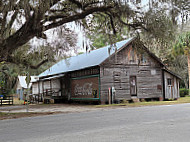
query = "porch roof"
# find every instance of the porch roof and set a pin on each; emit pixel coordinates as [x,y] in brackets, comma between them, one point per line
[22,81]
[174,74]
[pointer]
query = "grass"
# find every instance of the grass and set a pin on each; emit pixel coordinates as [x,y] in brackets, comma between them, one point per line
[17,101]
[151,103]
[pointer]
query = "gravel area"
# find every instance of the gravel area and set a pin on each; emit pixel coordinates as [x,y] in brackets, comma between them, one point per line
[62,108]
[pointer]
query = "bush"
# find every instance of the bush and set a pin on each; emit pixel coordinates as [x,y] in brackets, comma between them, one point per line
[183,92]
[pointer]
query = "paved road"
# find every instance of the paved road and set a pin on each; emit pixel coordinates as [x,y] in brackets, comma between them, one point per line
[140,124]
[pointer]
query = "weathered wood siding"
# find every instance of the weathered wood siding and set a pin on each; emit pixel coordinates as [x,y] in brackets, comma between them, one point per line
[37,87]
[40,89]
[116,72]
[35,90]
[171,86]
[46,85]
[55,84]
[43,86]
[65,87]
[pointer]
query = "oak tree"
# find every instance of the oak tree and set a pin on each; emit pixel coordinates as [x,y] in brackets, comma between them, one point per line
[22,20]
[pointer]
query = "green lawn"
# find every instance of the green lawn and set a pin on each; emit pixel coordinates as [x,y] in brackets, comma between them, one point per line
[151,103]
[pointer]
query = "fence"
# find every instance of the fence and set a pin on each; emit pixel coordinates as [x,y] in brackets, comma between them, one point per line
[6,100]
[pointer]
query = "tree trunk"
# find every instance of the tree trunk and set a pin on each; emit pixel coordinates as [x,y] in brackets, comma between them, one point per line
[188,57]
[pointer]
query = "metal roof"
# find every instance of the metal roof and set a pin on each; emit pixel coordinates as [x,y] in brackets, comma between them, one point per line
[52,77]
[93,58]
[174,74]
[22,81]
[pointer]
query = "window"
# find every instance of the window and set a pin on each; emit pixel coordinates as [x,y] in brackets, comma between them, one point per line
[133,86]
[132,55]
[116,76]
[169,82]
[143,59]
[153,72]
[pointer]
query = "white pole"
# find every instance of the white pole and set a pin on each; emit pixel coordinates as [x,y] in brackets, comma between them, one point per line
[109,96]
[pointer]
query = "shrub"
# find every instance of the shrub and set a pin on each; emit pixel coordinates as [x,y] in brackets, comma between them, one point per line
[183,92]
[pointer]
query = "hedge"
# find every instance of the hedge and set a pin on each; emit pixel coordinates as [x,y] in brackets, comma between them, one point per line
[183,92]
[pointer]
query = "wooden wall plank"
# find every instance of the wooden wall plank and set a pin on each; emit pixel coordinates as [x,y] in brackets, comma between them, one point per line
[117,74]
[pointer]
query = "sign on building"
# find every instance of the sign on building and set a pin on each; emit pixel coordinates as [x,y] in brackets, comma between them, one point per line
[85,88]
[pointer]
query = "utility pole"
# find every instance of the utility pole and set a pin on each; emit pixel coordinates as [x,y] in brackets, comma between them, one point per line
[28,78]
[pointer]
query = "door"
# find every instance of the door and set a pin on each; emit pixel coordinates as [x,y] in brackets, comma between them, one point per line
[21,94]
[170,88]
[133,86]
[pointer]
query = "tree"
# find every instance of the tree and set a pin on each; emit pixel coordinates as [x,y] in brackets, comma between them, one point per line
[99,39]
[31,18]
[178,64]
[51,50]
[157,25]
[8,77]
[38,16]
[182,47]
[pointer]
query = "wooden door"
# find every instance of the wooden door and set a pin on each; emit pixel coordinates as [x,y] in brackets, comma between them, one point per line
[133,86]
[170,88]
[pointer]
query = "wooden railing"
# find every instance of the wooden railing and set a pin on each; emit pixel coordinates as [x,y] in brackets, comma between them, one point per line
[8,100]
[46,95]
[51,93]
[36,98]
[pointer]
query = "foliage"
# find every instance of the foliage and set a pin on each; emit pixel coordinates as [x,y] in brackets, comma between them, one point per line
[100,40]
[103,21]
[156,24]
[24,57]
[32,18]
[7,77]
[34,60]
[178,64]
[2,84]
[182,45]
[183,92]
[178,57]
[22,20]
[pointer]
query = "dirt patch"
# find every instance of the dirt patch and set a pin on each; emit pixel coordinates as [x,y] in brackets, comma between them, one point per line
[20,115]
[13,112]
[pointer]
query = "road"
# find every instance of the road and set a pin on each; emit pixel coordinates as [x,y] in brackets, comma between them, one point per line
[169,123]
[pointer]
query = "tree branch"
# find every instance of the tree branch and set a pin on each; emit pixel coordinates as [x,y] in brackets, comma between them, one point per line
[34,27]
[77,3]
[77,16]
[133,25]
[12,20]
[39,64]
[112,23]
[90,3]
[14,61]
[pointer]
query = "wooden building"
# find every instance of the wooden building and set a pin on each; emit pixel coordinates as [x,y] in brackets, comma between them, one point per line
[127,71]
